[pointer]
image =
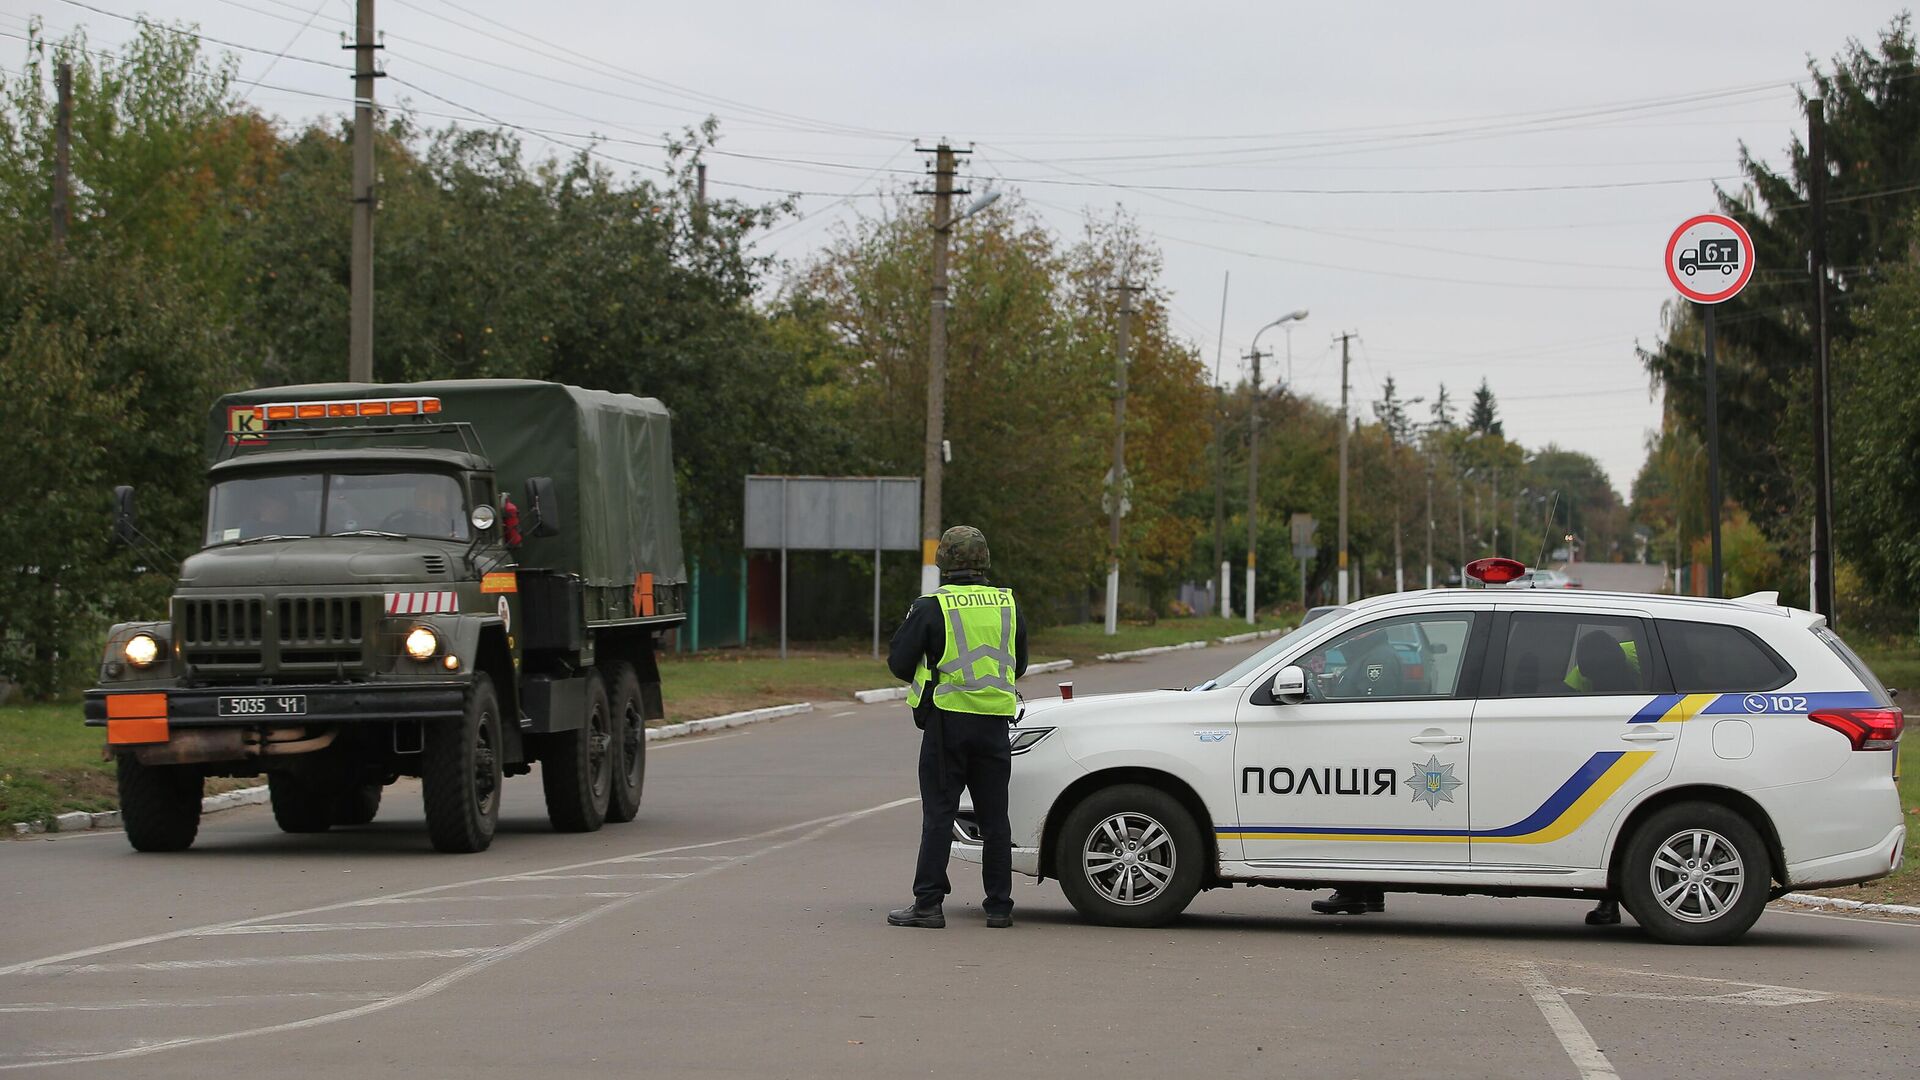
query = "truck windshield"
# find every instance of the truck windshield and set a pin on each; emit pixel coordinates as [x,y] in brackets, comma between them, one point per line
[332,504]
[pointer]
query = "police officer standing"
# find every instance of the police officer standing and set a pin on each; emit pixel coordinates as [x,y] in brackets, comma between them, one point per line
[960,649]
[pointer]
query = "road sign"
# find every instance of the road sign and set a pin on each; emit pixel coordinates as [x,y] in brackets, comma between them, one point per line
[1709,258]
[1303,527]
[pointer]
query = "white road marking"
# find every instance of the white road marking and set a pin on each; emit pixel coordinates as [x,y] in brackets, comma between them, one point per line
[680,858]
[257,961]
[598,877]
[225,1002]
[1573,1036]
[1767,996]
[848,712]
[1848,918]
[490,898]
[404,924]
[815,828]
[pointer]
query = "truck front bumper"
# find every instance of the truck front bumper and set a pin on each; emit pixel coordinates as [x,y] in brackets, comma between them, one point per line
[147,715]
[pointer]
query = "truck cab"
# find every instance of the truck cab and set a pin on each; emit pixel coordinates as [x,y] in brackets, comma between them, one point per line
[370,602]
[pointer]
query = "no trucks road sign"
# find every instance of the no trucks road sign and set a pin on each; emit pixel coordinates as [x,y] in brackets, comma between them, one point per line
[1709,258]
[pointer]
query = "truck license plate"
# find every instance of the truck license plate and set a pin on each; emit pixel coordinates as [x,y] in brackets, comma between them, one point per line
[264,705]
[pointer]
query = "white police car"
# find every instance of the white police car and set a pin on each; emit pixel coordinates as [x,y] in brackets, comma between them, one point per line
[1691,757]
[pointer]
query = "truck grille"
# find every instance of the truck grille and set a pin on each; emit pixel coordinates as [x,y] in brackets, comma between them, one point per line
[261,638]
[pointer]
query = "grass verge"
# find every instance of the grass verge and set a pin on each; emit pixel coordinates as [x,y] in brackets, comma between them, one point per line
[50,764]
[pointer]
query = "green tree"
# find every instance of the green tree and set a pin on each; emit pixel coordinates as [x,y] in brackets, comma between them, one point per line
[1485,414]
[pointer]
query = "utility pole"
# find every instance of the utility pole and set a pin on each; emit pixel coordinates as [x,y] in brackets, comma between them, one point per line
[62,155]
[943,193]
[1219,459]
[1253,478]
[700,197]
[1493,509]
[1344,426]
[360,331]
[1429,519]
[1822,422]
[1117,493]
[1460,506]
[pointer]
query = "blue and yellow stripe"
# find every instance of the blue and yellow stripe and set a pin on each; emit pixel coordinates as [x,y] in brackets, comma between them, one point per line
[1564,811]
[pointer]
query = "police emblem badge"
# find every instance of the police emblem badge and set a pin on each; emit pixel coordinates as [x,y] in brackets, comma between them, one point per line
[1433,783]
[1374,671]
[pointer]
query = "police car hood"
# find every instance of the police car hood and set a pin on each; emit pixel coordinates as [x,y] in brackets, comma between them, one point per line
[1058,712]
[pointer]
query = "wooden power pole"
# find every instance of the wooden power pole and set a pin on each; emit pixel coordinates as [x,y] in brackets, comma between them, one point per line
[1822,433]
[1117,492]
[62,155]
[943,193]
[360,303]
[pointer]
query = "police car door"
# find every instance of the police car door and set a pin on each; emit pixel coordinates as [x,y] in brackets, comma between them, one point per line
[1370,764]
[1567,734]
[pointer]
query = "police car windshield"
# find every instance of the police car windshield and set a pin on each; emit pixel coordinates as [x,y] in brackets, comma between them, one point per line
[1267,655]
[334,504]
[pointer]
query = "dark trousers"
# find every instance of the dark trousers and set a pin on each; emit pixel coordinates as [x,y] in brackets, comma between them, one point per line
[959,750]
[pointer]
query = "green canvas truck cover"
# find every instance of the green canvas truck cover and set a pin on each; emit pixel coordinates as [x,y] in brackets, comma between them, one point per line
[610,456]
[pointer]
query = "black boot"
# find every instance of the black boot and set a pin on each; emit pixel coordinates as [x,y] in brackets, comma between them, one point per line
[1000,921]
[1350,900]
[1604,913]
[927,916]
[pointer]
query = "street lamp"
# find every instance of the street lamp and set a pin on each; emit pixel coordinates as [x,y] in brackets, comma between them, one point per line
[1253,456]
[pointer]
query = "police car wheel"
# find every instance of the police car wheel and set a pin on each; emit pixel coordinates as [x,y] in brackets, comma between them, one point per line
[1129,855]
[1696,874]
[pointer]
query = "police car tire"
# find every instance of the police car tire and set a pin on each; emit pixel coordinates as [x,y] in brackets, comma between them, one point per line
[1636,887]
[299,804]
[449,771]
[629,766]
[566,767]
[1189,852]
[159,804]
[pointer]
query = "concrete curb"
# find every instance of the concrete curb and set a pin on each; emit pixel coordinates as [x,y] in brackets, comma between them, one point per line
[1838,903]
[1251,635]
[1108,658]
[79,820]
[897,693]
[739,719]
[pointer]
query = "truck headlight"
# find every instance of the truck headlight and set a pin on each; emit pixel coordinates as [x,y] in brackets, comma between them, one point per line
[141,650]
[422,643]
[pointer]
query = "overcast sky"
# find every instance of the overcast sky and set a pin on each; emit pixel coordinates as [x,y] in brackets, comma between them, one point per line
[1350,116]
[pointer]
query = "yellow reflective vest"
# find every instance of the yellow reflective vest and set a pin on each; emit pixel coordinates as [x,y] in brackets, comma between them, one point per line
[976,670]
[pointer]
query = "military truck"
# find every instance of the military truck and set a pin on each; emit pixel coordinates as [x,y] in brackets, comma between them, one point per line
[370,602]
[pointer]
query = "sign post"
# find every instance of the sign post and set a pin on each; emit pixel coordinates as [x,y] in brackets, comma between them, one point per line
[1709,260]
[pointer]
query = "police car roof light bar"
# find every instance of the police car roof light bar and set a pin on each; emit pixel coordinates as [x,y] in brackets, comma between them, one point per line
[1496,570]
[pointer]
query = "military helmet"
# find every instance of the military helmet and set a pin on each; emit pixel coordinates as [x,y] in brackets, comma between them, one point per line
[962,547]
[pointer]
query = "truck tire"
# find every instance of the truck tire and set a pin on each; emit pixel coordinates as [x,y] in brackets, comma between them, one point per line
[629,745]
[460,774]
[576,767]
[159,804]
[357,805]
[299,804]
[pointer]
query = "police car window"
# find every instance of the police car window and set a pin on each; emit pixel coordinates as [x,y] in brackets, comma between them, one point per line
[1267,655]
[1557,654]
[1708,658]
[1855,664]
[1413,656]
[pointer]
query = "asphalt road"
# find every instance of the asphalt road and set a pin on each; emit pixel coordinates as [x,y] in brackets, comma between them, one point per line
[736,929]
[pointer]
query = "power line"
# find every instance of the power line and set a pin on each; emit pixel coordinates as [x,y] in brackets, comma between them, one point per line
[141,20]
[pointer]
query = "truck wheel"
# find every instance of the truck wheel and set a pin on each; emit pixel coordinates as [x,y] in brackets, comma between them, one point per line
[357,805]
[1696,873]
[1129,855]
[159,804]
[629,745]
[300,805]
[576,768]
[460,774]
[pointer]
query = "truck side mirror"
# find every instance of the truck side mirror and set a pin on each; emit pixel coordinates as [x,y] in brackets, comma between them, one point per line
[543,503]
[124,530]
